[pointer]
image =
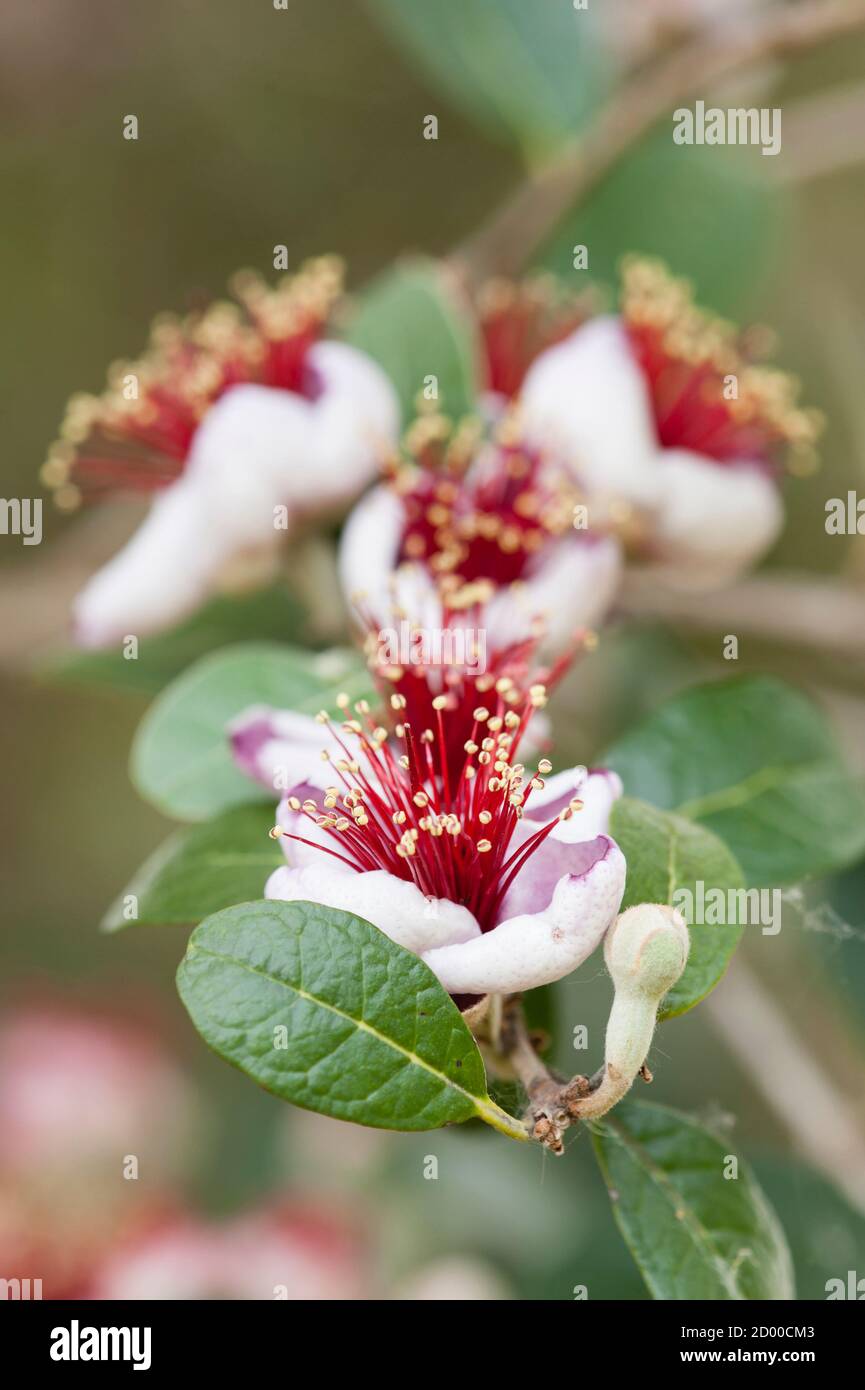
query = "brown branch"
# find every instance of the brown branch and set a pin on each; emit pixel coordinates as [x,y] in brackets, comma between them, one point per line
[823,134]
[552,1101]
[819,1116]
[509,238]
[821,614]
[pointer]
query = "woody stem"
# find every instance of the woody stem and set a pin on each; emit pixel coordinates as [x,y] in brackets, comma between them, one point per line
[550,1098]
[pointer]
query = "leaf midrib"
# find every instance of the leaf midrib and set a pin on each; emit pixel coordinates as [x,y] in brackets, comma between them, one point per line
[217,751]
[483,1106]
[749,789]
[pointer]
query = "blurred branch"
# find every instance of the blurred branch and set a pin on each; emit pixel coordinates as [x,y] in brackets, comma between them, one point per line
[816,1113]
[39,586]
[508,240]
[823,134]
[821,614]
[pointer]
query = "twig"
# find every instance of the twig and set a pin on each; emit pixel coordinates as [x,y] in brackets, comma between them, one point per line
[822,614]
[552,1107]
[823,134]
[509,238]
[804,1096]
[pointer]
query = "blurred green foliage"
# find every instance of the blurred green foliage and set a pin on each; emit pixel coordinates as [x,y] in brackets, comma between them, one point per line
[304,127]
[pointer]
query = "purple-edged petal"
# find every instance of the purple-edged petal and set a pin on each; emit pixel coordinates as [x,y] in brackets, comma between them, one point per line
[537,948]
[279,748]
[396,907]
[560,853]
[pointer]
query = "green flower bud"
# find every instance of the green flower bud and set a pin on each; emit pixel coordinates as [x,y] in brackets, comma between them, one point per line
[645,951]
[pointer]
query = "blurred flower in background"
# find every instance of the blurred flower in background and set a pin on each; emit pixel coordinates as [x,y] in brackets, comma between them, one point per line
[675,434]
[231,415]
[279,1253]
[98,1145]
[96,1125]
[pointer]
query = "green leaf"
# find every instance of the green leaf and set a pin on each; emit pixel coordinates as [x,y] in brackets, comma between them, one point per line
[181,761]
[669,200]
[527,74]
[370,1035]
[693,1232]
[265,614]
[413,322]
[201,869]
[666,855]
[755,762]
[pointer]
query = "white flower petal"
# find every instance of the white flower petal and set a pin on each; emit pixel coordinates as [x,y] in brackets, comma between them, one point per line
[537,948]
[356,421]
[220,506]
[245,453]
[571,588]
[256,449]
[368,569]
[277,748]
[598,789]
[586,401]
[713,519]
[396,907]
[369,547]
[160,576]
[558,854]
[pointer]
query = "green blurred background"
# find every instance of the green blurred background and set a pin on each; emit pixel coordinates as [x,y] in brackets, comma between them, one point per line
[303,127]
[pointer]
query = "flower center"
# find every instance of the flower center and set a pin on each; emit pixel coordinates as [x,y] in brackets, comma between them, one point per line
[477,519]
[519,320]
[708,395]
[407,813]
[136,436]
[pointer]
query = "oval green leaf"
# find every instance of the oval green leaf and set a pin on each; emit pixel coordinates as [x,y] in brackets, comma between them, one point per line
[667,858]
[640,207]
[695,1230]
[321,1008]
[527,74]
[181,761]
[413,321]
[200,870]
[755,762]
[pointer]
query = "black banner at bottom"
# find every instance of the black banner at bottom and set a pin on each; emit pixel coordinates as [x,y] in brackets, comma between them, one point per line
[82,1339]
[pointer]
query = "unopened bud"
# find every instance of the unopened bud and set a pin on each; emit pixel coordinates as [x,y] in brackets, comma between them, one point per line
[645,950]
